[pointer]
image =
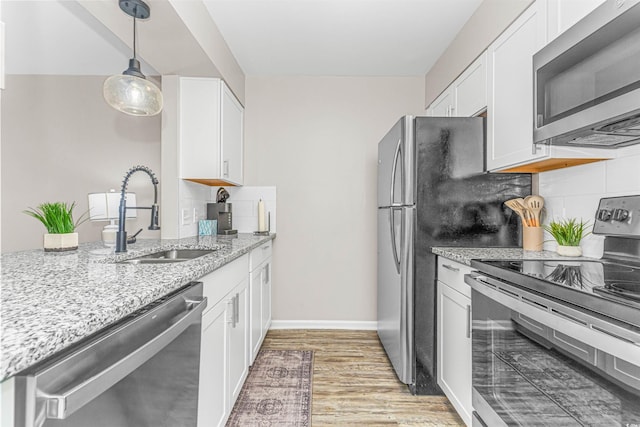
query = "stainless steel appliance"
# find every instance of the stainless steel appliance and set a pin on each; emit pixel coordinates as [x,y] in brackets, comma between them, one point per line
[587,81]
[432,192]
[558,342]
[142,371]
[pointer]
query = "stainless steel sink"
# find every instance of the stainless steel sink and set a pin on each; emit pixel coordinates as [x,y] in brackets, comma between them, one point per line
[170,256]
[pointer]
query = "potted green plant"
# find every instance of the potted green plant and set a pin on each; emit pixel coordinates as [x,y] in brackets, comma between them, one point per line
[568,233]
[58,220]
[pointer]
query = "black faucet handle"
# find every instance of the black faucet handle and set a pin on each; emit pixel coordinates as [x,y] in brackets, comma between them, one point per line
[154,218]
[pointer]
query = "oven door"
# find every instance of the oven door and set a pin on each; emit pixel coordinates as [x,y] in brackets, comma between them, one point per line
[538,362]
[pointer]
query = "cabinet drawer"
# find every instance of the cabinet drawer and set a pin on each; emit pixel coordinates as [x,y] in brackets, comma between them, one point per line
[452,273]
[259,254]
[219,283]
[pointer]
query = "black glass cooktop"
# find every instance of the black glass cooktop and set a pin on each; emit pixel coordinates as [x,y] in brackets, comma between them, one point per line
[602,278]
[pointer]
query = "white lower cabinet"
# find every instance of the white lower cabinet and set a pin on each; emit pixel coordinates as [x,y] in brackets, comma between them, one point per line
[225,339]
[260,297]
[454,336]
[212,394]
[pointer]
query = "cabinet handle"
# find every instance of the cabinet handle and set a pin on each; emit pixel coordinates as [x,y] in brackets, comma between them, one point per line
[267,272]
[236,310]
[225,168]
[452,268]
[468,321]
[231,306]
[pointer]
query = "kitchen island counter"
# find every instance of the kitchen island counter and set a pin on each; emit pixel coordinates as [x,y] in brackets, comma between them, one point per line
[50,301]
[465,255]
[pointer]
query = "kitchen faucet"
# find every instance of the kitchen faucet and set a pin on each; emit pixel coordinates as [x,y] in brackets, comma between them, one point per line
[121,235]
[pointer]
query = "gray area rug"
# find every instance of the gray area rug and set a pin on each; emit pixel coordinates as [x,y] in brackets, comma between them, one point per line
[277,391]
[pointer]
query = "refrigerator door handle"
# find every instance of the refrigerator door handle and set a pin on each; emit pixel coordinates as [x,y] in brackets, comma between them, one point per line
[392,226]
[392,192]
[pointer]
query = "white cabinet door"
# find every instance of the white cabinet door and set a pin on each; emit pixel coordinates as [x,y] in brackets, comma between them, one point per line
[266,297]
[562,14]
[225,341]
[443,105]
[232,137]
[203,124]
[510,93]
[454,348]
[470,89]
[238,341]
[212,396]
[260,297]
[255,293]
[199,127]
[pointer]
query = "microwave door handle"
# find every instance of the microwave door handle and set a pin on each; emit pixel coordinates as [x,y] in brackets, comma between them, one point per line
[61,405]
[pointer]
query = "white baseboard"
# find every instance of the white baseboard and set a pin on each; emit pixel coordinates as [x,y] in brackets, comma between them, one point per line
[324,324]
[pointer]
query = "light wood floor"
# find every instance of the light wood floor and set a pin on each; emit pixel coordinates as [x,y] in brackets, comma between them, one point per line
[354,383]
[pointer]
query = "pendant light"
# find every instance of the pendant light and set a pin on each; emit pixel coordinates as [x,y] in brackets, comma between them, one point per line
[131,92]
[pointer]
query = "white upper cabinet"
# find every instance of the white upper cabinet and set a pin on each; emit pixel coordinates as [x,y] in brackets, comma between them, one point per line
[232,136]
[564,13]
[466,96]
[510,94]
[510,145]
[470,89]
[442,105]
[208,123]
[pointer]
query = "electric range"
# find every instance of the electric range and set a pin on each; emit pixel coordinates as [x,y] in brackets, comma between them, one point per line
[607,287]
[557,341]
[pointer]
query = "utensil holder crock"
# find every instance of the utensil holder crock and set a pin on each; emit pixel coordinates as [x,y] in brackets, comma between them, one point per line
[532,238]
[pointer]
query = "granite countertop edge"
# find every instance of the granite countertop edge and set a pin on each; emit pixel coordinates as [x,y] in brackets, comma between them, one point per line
[465,255]
[50,301]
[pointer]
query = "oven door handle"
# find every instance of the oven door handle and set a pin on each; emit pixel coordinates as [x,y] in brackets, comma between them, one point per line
[61,405]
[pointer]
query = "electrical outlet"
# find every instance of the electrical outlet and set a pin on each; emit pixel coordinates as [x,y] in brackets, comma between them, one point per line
[186,216]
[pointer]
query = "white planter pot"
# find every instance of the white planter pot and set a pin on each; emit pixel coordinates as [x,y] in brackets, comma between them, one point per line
[569,250]
[60,242]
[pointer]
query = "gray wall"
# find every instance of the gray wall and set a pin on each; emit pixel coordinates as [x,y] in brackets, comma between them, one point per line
[316,138]
[61,141]
[490,19]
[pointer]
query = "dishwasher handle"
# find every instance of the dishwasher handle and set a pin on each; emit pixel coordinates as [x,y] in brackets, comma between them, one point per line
[61,405]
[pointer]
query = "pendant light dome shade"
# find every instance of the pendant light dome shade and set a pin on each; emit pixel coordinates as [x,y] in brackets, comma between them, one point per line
[132,95]
[130,92]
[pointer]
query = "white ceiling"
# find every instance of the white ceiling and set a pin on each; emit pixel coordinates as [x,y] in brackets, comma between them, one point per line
[59,37]
[267,37]
[339,37]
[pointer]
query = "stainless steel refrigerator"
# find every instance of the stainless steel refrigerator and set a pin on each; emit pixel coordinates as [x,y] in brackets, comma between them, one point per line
[432,191]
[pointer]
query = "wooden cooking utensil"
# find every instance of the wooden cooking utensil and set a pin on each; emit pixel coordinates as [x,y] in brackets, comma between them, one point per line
[535,204]
[515,206]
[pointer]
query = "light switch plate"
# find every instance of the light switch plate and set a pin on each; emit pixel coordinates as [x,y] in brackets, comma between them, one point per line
[186,216]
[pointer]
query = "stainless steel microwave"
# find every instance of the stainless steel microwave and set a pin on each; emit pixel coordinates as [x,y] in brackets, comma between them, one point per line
[587,81]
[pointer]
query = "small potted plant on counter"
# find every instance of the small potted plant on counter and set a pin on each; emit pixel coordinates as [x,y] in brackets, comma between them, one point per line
[58,220]
[568,233]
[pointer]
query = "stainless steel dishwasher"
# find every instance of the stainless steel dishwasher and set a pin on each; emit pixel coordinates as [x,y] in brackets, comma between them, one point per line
[142,371]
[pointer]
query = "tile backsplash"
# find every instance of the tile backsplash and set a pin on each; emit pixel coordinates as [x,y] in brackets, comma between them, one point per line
[576,191]
[245,206]
[193,206]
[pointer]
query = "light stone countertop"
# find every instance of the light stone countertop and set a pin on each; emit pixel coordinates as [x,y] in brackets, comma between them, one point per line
[49,301]
[465,255]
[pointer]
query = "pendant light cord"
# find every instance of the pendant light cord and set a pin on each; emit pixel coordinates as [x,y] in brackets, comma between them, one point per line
[135,12]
